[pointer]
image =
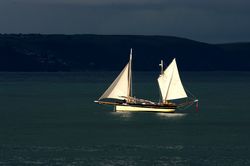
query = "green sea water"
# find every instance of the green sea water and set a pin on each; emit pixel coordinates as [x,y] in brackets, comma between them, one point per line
[51,119]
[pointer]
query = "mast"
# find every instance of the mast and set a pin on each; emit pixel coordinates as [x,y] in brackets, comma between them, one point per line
[130,73]
[160,93]
[161,65]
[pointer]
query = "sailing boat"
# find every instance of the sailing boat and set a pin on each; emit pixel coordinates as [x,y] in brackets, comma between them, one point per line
[119,93]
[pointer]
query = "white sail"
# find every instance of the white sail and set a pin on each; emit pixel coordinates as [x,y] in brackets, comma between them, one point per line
[170,83]
[121,86]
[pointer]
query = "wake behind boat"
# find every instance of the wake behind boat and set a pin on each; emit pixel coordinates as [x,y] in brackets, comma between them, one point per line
[119,93]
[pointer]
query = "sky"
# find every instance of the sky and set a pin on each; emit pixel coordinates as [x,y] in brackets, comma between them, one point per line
[213,21]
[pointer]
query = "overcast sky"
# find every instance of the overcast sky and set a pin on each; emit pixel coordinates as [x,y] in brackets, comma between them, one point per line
[203,20]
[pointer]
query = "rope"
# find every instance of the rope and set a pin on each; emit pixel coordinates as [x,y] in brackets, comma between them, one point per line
[188,103]
[186,107]
[193,97]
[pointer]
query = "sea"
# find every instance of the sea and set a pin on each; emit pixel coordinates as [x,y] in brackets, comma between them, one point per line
[51,119]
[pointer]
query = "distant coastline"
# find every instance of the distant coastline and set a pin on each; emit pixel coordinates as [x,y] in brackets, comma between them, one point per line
[42,53]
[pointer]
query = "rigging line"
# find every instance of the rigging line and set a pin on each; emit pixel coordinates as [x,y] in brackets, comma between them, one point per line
[190,93]
[185,107]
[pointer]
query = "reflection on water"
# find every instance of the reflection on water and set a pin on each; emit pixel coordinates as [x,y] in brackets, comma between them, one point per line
[128,115]
[171,115]
[122,114]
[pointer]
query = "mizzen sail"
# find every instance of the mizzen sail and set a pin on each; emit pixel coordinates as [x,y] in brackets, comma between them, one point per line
[170,83]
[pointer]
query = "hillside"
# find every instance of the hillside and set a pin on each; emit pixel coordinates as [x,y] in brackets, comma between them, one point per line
[35,52]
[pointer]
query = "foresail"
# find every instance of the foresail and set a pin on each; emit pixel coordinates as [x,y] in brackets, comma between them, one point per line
[170,83]
[120,86]
[176,89]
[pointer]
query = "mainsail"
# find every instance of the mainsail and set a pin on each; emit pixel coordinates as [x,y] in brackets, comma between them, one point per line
[121,86]
[170,83]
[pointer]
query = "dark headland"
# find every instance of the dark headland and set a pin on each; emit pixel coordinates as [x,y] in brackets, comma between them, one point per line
[35,52]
